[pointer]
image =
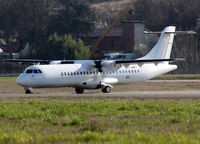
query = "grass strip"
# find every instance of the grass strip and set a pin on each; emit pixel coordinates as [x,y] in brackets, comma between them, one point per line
[99,121]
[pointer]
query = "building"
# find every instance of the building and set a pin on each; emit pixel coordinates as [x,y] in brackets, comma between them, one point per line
[124,38]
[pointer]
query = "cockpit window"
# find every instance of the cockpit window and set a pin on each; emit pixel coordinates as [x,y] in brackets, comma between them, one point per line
[39,71]
[35,71]
[29,71]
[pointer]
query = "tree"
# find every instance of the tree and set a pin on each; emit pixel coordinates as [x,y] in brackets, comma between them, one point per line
[32,21]
[184,14]
[160,13]
[8,20]
[61,47]
[197,28]
[34,16]
[24,20]
[75,18]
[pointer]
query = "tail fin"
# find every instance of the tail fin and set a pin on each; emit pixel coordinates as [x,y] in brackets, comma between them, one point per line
[162,50]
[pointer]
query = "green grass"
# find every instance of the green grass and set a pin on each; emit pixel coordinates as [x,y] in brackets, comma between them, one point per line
[8,78]
[99,121]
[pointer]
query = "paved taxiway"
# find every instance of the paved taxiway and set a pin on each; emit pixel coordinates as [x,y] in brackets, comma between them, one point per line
[130,94]
[134,94]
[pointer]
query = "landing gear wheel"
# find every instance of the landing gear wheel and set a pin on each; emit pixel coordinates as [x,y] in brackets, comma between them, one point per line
[106,89]
[79,91]
[27,91]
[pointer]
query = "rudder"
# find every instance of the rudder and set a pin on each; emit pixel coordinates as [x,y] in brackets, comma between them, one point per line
[162,50]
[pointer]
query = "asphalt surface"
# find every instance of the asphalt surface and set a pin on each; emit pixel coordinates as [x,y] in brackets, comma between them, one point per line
[135,94]
[188,94]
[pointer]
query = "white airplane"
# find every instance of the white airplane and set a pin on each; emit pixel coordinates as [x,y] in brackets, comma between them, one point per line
[96,74]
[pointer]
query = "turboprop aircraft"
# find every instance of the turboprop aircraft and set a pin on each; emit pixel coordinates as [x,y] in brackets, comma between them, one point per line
[99,74]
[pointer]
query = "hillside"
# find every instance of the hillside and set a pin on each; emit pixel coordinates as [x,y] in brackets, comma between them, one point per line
[113,5]
[97,1]
[106,12]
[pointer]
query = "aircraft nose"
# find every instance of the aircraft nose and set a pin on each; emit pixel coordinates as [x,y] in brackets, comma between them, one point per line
[20,80]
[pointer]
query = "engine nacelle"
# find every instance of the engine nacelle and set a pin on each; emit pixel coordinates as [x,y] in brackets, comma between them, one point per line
[105,66]
[100,65]
[108,66]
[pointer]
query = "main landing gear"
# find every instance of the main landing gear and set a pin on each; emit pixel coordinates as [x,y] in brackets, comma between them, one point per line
[106,89]
[79,91]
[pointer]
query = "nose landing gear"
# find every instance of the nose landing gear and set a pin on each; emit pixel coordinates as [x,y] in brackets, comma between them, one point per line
[28,90]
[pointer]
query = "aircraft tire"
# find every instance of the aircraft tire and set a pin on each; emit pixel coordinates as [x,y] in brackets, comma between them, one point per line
[106,89]
[79,91]
[27,91]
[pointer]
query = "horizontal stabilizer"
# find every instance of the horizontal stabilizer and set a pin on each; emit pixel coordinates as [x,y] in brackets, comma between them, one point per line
[148,60]
[176,32]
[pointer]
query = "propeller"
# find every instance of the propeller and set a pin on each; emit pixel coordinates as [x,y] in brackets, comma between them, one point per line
[98,65]
[104,66]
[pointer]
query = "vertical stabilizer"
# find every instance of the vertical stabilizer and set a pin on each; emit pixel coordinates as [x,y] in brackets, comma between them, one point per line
[162,50]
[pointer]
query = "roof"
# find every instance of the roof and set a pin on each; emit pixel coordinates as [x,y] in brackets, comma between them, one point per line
[132,21]
[115,32]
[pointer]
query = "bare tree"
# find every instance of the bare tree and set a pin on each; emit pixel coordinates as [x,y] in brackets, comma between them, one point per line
[8,20]
[186,46]
[24,20]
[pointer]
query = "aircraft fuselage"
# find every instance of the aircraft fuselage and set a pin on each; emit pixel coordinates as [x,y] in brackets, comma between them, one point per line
[78,76]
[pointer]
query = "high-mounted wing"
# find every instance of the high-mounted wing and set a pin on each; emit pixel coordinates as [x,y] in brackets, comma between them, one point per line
[100,65]
[27,61]
[40,61]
